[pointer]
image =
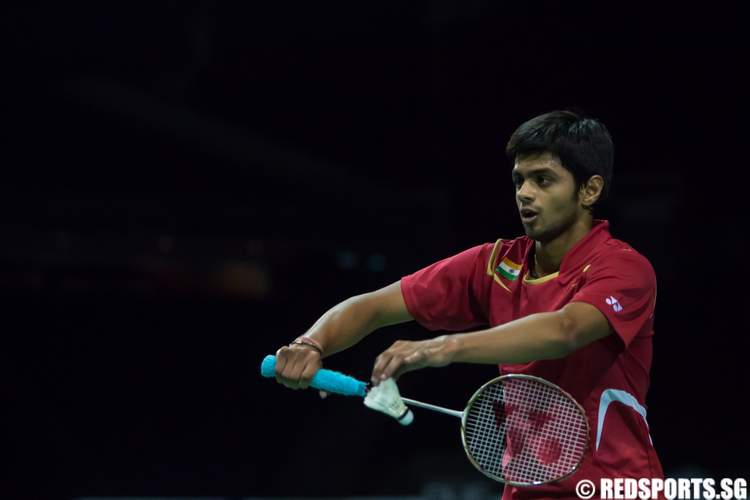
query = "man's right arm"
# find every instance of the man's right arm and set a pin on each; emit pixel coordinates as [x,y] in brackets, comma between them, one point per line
[338,329]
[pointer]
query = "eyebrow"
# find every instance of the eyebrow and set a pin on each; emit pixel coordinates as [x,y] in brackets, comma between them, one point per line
[537,171]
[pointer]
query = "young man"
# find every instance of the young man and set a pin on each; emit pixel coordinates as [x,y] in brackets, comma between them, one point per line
[566,302]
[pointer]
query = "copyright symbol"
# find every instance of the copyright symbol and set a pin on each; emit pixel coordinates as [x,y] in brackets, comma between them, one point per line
[585,489]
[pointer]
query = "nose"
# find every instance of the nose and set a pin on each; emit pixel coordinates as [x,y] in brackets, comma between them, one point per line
[525,193]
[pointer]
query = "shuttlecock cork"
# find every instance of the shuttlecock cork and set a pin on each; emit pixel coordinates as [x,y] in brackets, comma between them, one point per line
[385,398]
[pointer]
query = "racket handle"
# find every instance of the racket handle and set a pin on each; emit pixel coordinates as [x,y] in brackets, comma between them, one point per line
[325,380]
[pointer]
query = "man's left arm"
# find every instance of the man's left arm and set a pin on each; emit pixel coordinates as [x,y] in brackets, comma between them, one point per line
[549,335]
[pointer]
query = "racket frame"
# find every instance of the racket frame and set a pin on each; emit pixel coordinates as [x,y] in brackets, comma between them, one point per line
[517,376]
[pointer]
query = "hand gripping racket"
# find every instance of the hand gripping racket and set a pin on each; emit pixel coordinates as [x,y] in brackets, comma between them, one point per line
[384,398]
[517,429]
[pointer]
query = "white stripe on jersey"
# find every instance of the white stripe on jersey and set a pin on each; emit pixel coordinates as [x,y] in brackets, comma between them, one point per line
[624,397]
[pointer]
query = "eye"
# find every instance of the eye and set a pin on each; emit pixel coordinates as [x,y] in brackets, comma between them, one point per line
[543,181]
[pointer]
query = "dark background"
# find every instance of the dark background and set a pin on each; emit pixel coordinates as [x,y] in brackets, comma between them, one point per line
[189,185]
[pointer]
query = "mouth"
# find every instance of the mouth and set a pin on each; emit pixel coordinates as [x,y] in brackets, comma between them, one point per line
[528,215]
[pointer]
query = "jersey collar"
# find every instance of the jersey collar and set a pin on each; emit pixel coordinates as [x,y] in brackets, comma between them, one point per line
[579,253]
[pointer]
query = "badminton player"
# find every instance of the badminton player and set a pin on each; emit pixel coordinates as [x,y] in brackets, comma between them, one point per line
[566,302]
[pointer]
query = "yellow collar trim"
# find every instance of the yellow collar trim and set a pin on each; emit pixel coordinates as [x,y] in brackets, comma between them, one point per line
[539,281]
[491,261]
[491,265]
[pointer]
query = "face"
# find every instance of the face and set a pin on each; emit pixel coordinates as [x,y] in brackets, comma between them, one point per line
[546,196]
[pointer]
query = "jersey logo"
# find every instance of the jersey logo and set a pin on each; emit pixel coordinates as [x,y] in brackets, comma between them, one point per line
[614,303]
[508,269]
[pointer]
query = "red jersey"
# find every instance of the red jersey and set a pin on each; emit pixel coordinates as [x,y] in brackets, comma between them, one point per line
[489,285]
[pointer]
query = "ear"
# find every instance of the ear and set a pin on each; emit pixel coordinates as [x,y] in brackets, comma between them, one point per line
[591,190]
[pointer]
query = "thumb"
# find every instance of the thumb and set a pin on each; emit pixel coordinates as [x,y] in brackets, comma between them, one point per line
[323,394]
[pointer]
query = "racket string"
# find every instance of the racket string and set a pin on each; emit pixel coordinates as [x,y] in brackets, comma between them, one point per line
[524,431]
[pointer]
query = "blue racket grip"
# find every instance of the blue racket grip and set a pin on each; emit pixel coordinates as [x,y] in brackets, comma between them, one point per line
[325,380]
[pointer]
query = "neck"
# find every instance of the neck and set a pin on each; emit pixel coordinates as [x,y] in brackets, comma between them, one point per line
[548,255]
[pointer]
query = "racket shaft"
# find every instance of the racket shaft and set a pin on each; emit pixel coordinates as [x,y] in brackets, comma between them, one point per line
[438,409]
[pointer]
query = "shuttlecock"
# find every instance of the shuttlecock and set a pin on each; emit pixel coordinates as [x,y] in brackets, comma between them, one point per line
[385,398]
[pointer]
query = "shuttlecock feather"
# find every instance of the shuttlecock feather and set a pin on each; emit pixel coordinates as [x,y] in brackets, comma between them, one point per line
[385,398]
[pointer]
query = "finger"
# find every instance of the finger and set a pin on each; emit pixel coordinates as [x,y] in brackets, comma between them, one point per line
[311,367]
[294,372]
[384,358]
[413,361]
[285,375]
[323,394]
[404,368]
[394,364]
[281,361]
[380,363]
[415,358]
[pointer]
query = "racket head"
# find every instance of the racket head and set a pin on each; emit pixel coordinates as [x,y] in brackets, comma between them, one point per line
[523,430]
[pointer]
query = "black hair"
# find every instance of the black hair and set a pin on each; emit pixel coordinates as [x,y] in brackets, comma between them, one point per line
[582,144]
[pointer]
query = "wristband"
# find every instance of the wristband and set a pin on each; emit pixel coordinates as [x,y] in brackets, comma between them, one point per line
[302,340]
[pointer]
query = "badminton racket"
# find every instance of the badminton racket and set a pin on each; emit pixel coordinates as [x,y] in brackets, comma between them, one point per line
[518,429]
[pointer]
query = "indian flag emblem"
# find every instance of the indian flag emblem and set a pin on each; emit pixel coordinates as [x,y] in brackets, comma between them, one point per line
[508,269]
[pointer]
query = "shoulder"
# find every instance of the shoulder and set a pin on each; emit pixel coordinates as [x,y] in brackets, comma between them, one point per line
[618,257]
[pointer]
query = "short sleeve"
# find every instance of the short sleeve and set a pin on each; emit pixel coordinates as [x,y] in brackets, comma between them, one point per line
[448,295]
[622,286]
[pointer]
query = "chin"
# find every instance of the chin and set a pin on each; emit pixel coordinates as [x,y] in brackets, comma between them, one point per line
[534,234]
[545,234]
[541,233]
